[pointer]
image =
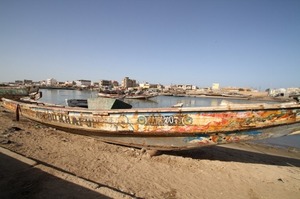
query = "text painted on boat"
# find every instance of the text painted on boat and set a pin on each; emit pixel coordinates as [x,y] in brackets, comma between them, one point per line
[161,120]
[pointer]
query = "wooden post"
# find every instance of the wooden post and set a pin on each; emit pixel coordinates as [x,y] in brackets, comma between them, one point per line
[18,112]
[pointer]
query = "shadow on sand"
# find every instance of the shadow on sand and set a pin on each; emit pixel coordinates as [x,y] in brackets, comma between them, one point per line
[243,154]
[20,180]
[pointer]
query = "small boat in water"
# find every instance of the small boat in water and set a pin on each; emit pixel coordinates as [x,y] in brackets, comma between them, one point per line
[180,104]
[114,94]
[140,97]
[168,128]
[126,96]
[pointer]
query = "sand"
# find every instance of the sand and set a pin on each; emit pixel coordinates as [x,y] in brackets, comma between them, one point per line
[241,170]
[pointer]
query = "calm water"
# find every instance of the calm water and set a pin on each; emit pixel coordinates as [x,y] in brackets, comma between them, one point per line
[58,97]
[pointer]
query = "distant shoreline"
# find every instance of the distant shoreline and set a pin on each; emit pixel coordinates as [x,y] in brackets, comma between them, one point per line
[252,98]
[58,88]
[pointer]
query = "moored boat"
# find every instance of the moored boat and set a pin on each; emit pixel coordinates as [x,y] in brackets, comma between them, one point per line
[113,96]
[180,104]
[17,92]
[169,128]
[141,96]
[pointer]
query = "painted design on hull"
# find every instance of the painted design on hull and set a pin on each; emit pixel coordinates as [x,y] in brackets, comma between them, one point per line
[162,122]
[123,123]
[168,128]
[223,138]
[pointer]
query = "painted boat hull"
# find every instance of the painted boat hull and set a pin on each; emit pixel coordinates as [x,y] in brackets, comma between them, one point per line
[18,92]
[140,97]
[14,92]
[113,96]
[200,140]
[169,128]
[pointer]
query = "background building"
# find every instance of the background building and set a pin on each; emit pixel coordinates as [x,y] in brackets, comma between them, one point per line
[51,82]
[215,86]
[127,83]
[105,84]
[83,83]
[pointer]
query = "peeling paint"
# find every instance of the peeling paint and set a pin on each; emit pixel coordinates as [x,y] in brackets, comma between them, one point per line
[190,127]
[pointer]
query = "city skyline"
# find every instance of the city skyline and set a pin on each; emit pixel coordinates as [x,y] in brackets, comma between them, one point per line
[120,84]
[235,43]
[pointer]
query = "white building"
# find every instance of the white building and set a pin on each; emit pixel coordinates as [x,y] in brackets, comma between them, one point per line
[51,82]
[215,86]
[83,83]
[186,86]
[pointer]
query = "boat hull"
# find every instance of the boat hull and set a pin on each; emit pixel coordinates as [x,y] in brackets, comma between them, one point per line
[18,92]
[13,92]
[140,97]
[199,140]
[170,128]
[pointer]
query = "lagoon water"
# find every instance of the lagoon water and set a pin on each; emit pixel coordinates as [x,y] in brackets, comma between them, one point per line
[58,96]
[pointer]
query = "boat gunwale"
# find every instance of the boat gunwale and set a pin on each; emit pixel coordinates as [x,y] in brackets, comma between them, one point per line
[222,108]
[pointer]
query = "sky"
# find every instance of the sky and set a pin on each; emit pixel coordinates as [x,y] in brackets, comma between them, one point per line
[239,43]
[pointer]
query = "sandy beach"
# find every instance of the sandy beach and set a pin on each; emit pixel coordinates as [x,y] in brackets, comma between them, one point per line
[241,170]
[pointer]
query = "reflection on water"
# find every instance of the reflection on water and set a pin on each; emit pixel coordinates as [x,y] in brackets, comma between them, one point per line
[169,101]
[58,96]
[282,142]
[214,102]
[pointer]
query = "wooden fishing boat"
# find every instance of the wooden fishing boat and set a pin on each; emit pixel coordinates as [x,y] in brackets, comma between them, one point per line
[169,128]
[17,92]
[140,97]
[113,96]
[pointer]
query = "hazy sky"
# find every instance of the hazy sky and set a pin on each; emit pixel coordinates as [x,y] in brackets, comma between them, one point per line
[245,43]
